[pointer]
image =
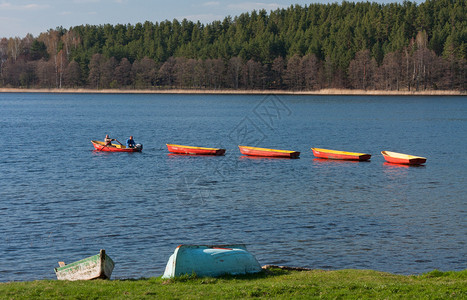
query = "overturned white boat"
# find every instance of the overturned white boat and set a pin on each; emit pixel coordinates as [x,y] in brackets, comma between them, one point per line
[211,261]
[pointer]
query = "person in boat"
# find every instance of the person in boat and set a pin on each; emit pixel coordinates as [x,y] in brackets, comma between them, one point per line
[130,143]
[108,140]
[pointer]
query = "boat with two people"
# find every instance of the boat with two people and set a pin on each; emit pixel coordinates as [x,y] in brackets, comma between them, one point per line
[113,147]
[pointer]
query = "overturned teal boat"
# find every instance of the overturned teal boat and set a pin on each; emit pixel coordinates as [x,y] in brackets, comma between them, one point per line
[211,261]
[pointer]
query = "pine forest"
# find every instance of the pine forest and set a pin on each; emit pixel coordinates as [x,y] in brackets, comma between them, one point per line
[370,46]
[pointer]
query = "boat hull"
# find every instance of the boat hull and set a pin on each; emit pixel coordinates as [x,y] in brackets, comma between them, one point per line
[335,154]
[211,261]
[191,150]
[265,152]
[400,158]
[99,266]
[100,146]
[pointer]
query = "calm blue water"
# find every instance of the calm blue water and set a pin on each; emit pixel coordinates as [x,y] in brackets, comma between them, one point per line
[60,200]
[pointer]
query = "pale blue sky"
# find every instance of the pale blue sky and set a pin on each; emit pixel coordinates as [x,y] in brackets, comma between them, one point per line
[19,17]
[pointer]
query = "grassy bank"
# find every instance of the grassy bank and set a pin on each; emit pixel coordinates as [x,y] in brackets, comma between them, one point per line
[274,283]
[324,92]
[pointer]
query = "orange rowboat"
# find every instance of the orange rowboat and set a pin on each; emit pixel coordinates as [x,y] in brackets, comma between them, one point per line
[181,149]
[335,154]
[399,158]
[255,151]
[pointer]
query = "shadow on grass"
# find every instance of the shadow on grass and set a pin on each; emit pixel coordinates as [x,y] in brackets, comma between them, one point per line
[261,275]
[135,279]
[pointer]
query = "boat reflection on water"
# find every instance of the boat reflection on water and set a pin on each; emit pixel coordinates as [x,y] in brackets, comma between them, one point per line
[266,157]
[330,162]
[398,171]
[110,154]
[186,156]
[390,166]
[176,155]
[400,166]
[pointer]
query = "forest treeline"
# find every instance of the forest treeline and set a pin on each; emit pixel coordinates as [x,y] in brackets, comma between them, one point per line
[396,46]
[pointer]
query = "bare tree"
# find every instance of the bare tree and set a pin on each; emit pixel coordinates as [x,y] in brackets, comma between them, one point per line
[72,76]
[309,66]
[327,73]
[234,71]
[123,73]
[362,70]
[389,74]
[11,72]
[19,73]
[208,72]
[3,57]
[193,76]
[95,70]
[252,75]
[408,65]
[46,73]
[293,76]
[51,39]
[217,71]
[278,69]
[70,41]
[61,64]
[26,44]
[420,60]
[166,72]
[144,72]
[181,70]
[14,47]
[108,73]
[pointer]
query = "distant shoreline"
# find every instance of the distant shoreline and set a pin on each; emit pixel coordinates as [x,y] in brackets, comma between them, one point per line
[323,92]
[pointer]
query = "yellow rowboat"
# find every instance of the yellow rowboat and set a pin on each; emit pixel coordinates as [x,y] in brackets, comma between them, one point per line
[400,158]
[336,154]
[181,149]
[255,151]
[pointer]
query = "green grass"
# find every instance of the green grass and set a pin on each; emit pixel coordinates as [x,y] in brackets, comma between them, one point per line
[274,283]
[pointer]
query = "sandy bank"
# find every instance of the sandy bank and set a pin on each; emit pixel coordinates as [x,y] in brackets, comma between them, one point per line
[240,92]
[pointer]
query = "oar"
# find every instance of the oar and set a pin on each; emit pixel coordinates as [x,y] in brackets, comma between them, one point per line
[118,142]
[102,147]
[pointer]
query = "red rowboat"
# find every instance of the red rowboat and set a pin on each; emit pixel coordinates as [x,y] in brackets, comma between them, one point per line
[255,151]
[335,154]
[399,158]
[180,149]
[100,146]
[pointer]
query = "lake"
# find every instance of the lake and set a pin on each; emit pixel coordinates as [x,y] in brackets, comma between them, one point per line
[62,201]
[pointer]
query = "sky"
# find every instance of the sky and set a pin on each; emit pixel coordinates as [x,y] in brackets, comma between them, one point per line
[20,17]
